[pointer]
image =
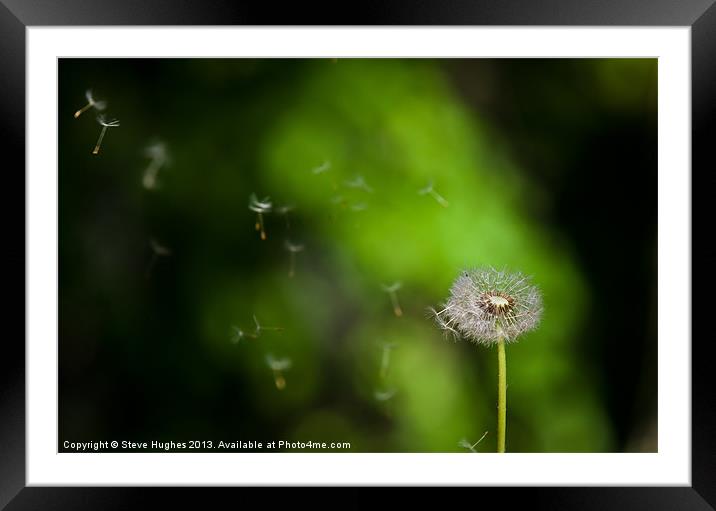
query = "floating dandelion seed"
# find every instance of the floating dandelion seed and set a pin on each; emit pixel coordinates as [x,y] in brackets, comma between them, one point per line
[278,366]
[488,307]
[91,103]
[284,211]
[114,123]
[429,190]
[359,183]
[158,250]
[467,445]
[293,249]
[239,334]
[159,156]
[260,207]
[260,328]
[359,206]
[338,200]
[384,395]
[392,291]
[323,167]
[386,349]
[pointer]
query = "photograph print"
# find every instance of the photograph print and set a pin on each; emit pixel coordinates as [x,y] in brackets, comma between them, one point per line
[357,255]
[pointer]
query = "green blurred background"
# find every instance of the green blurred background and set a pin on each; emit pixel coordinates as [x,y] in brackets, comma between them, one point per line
[549,167]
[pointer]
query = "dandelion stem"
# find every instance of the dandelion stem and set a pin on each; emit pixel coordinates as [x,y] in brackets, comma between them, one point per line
[501,395]
[99,140]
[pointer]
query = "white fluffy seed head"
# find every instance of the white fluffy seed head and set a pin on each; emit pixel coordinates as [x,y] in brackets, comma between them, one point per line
[487,305]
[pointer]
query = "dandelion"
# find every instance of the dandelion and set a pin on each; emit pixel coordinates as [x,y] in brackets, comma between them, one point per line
[392,291]
[158,250]
[293,249]
[323,167]
[114,123]
[359,183]
[430,190]
[278,366]
[159,157]
[260,207]
[471,447]
[91,103]
[489,307]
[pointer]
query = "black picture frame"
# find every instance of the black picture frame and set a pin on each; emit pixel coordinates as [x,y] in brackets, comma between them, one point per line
[16,15]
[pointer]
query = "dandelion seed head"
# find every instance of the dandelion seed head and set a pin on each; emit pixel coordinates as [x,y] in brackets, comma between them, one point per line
[443,324]
[285,209]
[487,305]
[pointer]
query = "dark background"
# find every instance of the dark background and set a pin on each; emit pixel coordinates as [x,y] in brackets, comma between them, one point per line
[145,358]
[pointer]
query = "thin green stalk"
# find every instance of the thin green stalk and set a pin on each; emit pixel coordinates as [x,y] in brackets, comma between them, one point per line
[501,395]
